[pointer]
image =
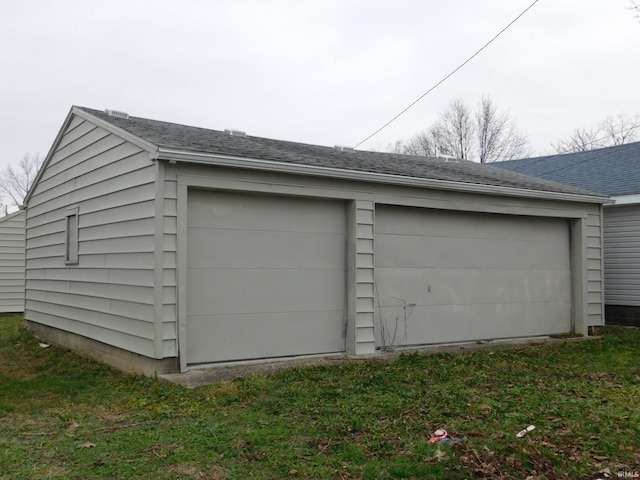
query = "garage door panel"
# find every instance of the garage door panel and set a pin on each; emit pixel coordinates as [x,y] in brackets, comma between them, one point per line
[265,276]
[258,290]
[265,249]
[446,286]
[247,212]
[458,323]
[305,333]
[404,221]
[466,276]
[420,251]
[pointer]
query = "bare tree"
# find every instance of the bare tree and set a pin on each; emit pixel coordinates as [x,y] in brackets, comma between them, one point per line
[424,144]
[613,130]
[620,129]
[15,182]
[456,130]
[580,140]
[395,147]
[498,137]
[485,136]
[635,7]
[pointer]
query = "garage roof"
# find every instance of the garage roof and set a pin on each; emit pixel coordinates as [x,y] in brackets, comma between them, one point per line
[187,139]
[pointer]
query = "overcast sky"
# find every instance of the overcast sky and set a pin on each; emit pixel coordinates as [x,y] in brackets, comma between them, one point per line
[316,71]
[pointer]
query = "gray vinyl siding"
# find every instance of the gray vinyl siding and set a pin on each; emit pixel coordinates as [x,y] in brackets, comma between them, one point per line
[169,267]
[12,262]
[109,295]
[364,277]
[622,255]
[595,267]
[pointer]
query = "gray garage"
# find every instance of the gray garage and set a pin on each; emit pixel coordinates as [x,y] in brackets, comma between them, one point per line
[159,247]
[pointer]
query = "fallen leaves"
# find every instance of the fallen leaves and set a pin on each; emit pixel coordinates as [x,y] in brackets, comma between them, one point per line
[488,464]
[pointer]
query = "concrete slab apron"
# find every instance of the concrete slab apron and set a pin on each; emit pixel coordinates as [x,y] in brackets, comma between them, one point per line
[223,372]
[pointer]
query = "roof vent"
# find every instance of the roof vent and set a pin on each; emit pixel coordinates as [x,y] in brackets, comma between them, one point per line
[449,158]
[116,113]
[235,133]
[343,148]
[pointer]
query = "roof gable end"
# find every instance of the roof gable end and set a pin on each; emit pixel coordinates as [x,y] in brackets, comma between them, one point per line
[82,113]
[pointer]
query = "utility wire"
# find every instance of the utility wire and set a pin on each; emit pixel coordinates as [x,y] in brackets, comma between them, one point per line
[449,75]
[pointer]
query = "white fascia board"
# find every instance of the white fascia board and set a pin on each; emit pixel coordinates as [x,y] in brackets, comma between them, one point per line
[327,172]
[627,199]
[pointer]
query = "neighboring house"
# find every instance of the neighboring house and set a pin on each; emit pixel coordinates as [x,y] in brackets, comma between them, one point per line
[612,171]
[156,247]
[12,262]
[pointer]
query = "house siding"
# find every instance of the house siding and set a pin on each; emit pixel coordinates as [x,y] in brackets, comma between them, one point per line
[622,255]
[12,262]
[109,295]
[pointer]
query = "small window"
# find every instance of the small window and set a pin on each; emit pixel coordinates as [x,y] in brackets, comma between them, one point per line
[71,237]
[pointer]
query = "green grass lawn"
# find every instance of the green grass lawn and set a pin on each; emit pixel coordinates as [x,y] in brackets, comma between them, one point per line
[64,417]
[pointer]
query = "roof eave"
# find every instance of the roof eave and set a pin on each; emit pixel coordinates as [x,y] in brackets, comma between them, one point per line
[328,172]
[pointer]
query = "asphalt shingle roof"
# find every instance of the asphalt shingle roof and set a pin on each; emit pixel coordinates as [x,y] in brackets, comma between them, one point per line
[200,140]
[609,171]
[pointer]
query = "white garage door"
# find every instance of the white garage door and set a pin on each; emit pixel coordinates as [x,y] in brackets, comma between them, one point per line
[446,276]
[265,276]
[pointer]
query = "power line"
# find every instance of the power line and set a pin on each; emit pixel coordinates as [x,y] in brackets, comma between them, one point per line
[449,75]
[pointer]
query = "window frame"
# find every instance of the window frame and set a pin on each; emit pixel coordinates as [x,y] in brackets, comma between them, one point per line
[71,236]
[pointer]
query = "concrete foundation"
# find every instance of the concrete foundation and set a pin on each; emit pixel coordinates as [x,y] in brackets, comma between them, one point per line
[118,358]
[622,315]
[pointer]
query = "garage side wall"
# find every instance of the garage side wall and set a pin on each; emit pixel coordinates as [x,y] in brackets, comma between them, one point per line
[107,293]
[12,262]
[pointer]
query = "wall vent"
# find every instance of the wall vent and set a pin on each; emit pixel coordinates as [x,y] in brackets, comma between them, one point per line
[235,133]
[116,113]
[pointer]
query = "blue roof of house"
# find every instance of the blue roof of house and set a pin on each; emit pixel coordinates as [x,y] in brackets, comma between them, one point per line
[610,171]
